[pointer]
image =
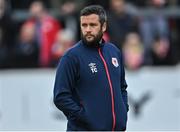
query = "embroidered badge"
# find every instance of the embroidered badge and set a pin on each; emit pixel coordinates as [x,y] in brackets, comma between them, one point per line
[115,62]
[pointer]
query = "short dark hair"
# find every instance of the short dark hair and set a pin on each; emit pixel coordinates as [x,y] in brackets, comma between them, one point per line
[95,9]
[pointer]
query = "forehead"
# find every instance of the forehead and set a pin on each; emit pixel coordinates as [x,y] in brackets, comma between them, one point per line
[90,18]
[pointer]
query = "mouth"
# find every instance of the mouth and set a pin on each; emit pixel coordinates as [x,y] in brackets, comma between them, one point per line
[89,36]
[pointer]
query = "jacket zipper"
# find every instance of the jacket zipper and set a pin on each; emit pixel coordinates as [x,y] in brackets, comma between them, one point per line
[111,89]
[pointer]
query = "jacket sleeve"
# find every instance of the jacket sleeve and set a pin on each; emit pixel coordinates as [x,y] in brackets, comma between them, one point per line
[65,80]
[124,85]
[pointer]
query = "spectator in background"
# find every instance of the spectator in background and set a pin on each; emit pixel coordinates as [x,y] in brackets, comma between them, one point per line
[174,39]
[41,32]
[152,26]
[133,51]
[68,13]
[174,25]
[6,35]
[121,22]
[69,10]
[27,50]
[160,52]
[64,40]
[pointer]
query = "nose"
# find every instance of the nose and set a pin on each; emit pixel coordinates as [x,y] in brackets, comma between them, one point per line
[88,29]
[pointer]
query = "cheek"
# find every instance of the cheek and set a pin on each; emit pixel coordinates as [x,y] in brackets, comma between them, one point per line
[82,30]
[97,31]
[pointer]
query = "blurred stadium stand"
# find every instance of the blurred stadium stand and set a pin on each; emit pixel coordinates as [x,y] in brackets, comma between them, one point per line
[20,13]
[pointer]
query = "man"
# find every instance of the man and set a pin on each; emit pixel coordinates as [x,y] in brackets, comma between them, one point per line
[121,22]
[39,32]
[90,86]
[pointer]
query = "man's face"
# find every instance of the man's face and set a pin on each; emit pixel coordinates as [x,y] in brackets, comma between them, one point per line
[36,9]
[91,29]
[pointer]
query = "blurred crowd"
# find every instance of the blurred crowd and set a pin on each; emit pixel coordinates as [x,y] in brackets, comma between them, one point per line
[42,31]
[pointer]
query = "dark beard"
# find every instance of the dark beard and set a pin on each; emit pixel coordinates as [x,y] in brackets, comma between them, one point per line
[95,42]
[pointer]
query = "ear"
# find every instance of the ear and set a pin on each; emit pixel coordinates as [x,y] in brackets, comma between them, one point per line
[104,26]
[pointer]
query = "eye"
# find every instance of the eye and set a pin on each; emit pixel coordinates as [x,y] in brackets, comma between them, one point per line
[84,25]
[93,24]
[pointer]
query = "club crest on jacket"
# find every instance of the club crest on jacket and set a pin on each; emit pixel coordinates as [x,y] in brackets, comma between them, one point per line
[115,62]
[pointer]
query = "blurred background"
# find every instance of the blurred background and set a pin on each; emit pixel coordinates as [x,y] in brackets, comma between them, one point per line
[35,34]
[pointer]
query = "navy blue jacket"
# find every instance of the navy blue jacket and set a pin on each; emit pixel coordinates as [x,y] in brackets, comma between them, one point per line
[90,88]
